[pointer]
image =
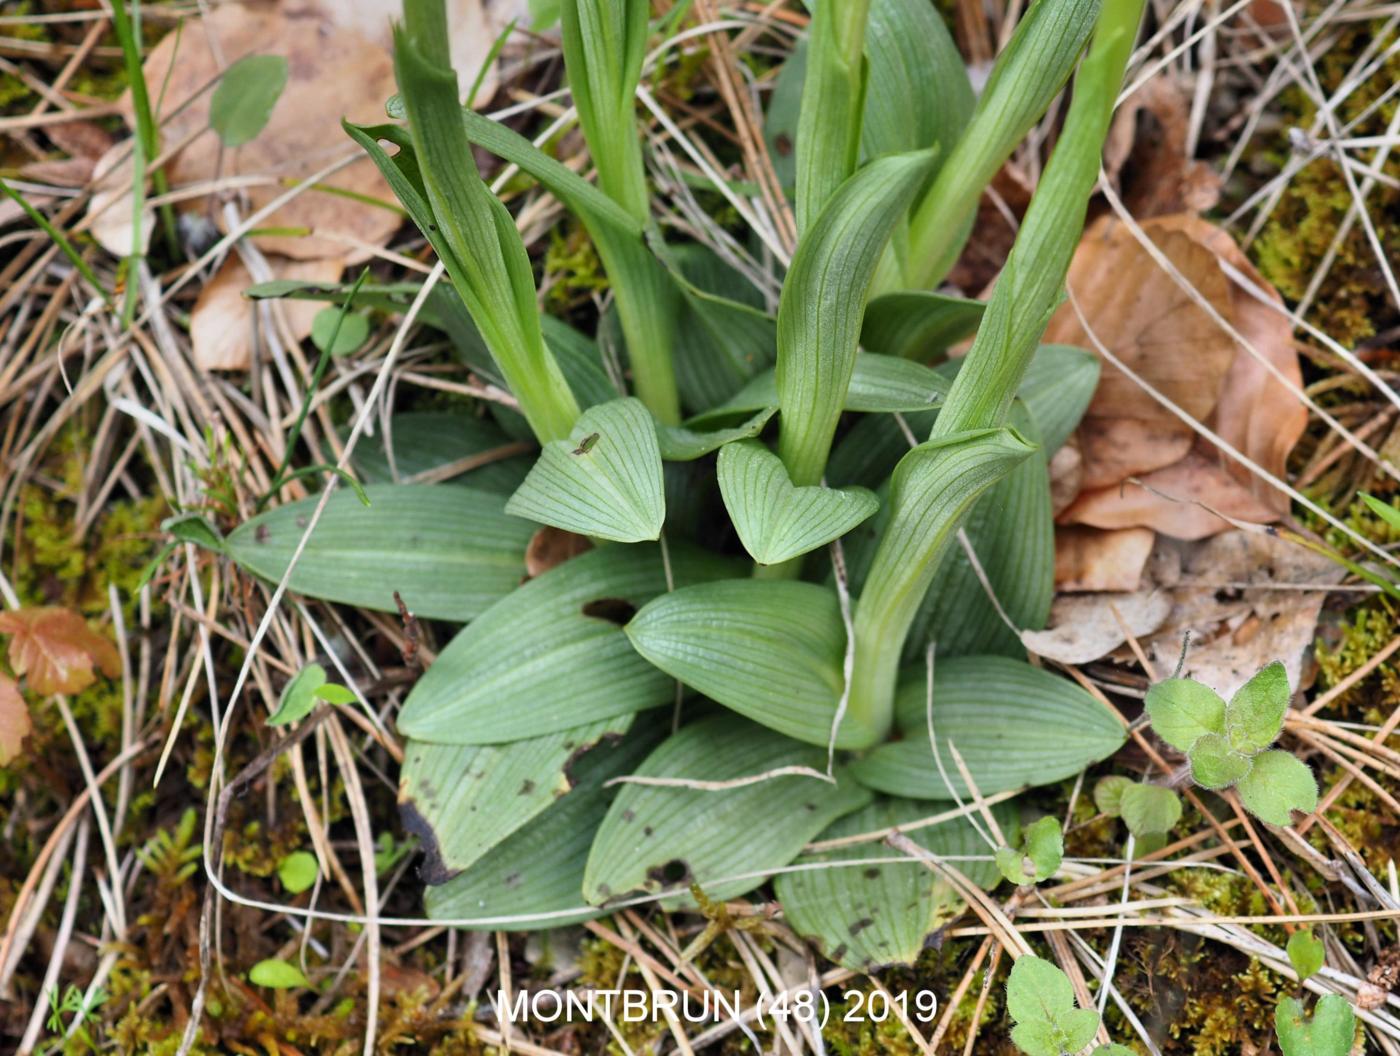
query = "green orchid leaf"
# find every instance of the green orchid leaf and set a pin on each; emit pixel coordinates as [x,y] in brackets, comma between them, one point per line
[1108,794]
[298,871]
[662,838]
[463,800]
[1306,953]
[537,871]
[770,650]
[777,520]
[865,916]
[1277,784]
[299,696]
[1149,809]
[553,654]
[823,303]
[1040,999]
[918,324]
[277,975]
[1254,716]
[433,442]
[1038,857]
[1059,384]
[449,552]
[1182,711]
[242,104]
[1330,1032]
[682,444]
[1013,724]
[1214,764]
[604,480]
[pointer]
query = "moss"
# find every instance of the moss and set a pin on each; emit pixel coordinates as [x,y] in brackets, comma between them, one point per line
[573,271]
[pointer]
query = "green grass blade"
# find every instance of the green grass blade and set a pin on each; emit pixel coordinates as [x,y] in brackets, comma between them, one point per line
[67,248]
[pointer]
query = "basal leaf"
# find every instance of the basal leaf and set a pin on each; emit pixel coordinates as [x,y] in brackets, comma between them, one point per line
[867,916]
[777,520]
[1056,390]
[463,800]
[1182,710]
[1214,764]
[604,480]
[553,654]
[918,324]
[241,105]
[1254,715]
[1306,953]
[1013,724]
[428,441]
[1277,784]
[1149,809]
[663,838]
[449,552]
[770,650]
[682,444]
[1108,794]
[1040,999]
[1331,1030]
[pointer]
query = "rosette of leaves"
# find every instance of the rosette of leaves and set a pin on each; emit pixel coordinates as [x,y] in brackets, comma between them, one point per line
[689,700]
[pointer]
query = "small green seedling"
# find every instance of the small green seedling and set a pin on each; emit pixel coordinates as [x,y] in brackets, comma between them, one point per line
[298,871]
[1041,1001]
[277,975]
[1041,851]
[1150,811]
[242,104]
[1306,953]
[1330,1032]
[1228,744]
[339,333]
[302,693]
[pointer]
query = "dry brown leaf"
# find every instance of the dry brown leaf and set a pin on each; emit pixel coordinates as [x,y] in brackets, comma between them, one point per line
[332,74]
[1085,627]
[222,323]
[1145,153]
[550,547]
[1089,559]
[55,650]
[15,723]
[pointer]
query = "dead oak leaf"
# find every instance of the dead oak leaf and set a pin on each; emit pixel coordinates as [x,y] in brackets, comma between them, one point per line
[15,723]
[55,650]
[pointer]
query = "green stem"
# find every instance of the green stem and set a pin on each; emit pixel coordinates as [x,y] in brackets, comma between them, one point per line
[928,501]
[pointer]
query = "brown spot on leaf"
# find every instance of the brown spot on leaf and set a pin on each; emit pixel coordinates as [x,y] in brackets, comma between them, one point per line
[614,610]
[433,870]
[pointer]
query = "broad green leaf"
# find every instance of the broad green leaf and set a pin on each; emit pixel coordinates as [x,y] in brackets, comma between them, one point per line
[777,520]
[1386,512]
[242,104]
[770,650]
[538,870]
[1013,724]
[660,838]
[462,800]
[1277,784]
[1040,999]
[1306,953]
[299,696]
[1330,1032]
[866,916]
[604,480]
[277,975]
[449,552]
[1056,390]
[833,100]
[428,441]
[334,694]
[1214,764]
[298,871]
[1182,711]
[879,384]
[682,444]
[917,92]
[823,303]
[553,654]
[1149,809]
[1108,794]
[918,324]
[1039,855]
[1254,715]
[337,332]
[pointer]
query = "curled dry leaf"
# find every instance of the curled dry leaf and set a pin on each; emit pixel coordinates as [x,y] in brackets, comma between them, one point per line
[1085,627]
[1146,153]
[1091,559]
[222,329]
[15,723]
[1150,323]
[55,650]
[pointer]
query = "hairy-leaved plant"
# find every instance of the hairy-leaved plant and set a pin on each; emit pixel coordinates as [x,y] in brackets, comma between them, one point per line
[696,693]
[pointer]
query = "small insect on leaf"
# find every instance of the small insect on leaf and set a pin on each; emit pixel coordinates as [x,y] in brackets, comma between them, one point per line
[1039,856]
[277,975]
[1277,784]
[1306,953]
[55,650]
[1041,1001]
[299,696]
[242,104]
[1330,1032]
[585,445]
[298,871]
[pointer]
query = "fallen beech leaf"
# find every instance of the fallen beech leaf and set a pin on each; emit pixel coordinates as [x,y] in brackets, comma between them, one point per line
[1145,153]
[1085,627]
[15,723]
[1089,559]
[55,649]
[222,328]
